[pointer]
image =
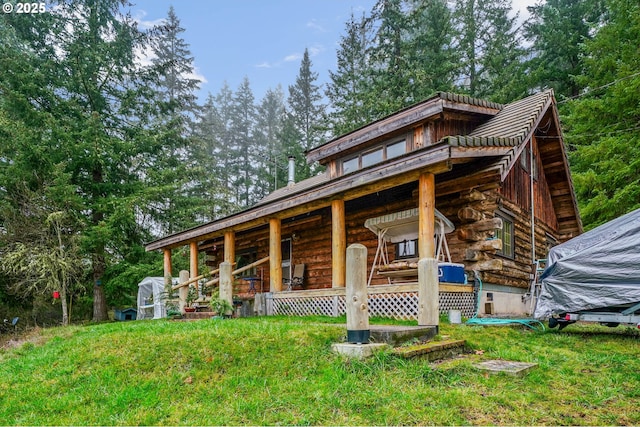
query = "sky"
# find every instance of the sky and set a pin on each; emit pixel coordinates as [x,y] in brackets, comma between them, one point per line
[261,39]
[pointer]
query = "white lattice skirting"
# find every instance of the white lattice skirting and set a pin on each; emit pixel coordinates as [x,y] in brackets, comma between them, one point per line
[396,305]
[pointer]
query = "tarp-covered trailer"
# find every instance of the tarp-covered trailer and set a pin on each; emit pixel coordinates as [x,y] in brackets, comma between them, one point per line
[594,277]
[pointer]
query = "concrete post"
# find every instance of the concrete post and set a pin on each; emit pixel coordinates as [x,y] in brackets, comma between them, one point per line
[182,292]
[226,283]
[428,303]
[357,308]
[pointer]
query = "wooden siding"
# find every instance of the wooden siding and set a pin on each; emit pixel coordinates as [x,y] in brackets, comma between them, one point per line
[516,188]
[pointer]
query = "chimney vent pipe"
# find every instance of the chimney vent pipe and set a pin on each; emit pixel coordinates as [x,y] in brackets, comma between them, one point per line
[292,171]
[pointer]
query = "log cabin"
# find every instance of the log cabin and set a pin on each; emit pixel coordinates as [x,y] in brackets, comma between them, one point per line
[480,186]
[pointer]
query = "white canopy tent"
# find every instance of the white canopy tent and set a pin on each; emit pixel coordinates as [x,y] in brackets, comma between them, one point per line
[402,226]
[150,298]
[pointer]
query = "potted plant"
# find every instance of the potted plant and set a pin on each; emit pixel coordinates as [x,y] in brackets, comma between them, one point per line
[192,296]
[220,307]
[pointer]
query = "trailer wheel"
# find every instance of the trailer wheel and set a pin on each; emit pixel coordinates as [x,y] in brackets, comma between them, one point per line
[553,322]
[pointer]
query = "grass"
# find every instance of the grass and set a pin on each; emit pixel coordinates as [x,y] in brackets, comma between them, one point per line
[274,371]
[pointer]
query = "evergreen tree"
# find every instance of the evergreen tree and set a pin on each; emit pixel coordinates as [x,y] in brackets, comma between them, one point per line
[307,115]
[212,157]
[602,126]
[85,114]
[243,149]
[391,85]
[489,44]
[176,173]
[272,158]
[432,60]
[558,29]
[349,86]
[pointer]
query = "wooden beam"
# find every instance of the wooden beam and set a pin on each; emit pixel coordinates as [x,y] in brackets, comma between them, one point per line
[426,216]
[193,260]
[275,255]
[229,246]
[167,267]
[338,244]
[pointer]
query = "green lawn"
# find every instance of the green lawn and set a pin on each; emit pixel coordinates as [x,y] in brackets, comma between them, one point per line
[267,371]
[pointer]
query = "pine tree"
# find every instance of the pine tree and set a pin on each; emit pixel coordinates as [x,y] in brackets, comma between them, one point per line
[390,85]
[601,126]
[489,44]
[243,146]
[432,60]
[176,172]
[349,86]
[86,114]
[272,158]
[558,29]
[307,115]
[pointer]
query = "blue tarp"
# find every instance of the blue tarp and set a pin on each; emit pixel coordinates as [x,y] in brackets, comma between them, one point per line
[600,268]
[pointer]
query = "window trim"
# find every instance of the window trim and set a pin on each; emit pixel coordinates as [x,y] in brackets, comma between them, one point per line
[372,149]
[506,218]
[410,256]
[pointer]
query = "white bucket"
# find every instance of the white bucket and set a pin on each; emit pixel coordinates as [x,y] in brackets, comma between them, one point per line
[455,317]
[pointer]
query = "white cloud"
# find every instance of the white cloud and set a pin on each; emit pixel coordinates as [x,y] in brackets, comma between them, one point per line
[315,50]
[314,25]
[264,64]
[144,24]
[293,57]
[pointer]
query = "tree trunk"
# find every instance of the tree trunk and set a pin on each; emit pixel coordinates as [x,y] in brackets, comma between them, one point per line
[63,300]
[99,264]
[99,302]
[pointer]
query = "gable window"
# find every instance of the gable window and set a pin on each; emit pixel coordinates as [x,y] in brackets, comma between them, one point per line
[407,249]
[374,156]
[350,165]
[506,234]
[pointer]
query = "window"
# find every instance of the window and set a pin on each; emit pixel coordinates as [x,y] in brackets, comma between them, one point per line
[285,247]
[372,157]
[407,249]
[507,236]
[378,155]
[246,257]
[350,165]
[396,149]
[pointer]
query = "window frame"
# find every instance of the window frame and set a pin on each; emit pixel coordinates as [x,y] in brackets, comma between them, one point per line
[409,256]
[506,218]
[370,150]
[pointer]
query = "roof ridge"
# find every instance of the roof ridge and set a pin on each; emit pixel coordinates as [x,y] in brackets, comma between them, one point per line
[466,99]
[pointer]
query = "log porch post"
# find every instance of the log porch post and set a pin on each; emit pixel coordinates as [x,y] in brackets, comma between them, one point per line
[275,255]
[338,244]
[226,284]
[229,246]
[428,295]
[167,268]
[426,215]
[193,261]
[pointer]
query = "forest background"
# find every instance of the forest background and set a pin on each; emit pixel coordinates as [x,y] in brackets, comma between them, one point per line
[100,154]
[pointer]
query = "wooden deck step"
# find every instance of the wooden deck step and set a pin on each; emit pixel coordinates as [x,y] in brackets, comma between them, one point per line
[197,315]
[432,350]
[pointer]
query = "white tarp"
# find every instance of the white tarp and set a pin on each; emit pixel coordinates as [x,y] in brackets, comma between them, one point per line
[600,268]
[150,298]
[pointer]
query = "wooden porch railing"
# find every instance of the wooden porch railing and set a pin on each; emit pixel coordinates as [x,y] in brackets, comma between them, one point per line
[195,279]
[240,270]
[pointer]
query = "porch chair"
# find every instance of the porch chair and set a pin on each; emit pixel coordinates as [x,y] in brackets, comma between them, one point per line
[297,279]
